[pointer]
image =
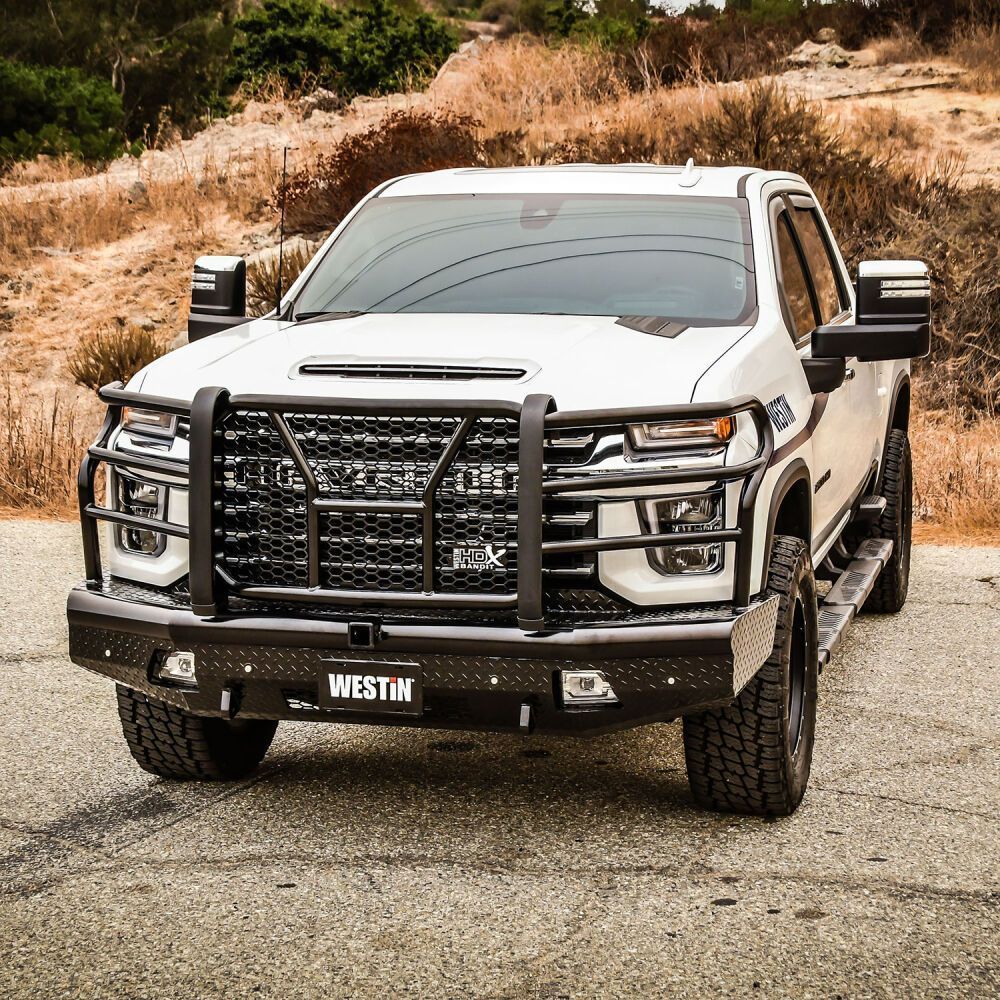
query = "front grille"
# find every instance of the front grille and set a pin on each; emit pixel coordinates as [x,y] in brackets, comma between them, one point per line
[264,506]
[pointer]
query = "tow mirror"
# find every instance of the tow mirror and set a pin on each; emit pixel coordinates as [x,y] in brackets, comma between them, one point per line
[893,315]
[218,295]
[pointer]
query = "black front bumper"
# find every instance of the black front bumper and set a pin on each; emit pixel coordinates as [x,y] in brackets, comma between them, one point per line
[474,676]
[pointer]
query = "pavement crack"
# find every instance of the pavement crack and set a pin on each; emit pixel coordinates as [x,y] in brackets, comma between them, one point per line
[857,793]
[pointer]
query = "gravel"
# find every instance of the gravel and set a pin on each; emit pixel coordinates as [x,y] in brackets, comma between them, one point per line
[373,862]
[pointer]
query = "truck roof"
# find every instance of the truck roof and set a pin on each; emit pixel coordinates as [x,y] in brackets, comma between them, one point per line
[578,178]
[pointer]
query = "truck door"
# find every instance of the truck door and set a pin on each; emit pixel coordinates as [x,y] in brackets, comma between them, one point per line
[814,288]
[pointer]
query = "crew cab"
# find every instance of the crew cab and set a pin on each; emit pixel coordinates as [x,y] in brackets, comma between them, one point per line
[544,450]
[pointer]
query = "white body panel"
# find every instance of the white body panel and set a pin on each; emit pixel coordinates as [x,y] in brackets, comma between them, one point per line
[584,363]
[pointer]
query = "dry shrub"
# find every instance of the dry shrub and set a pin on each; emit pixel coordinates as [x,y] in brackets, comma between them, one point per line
[112,355]
[723,50]
[956,465]
[977,48]
[888,130]
[321,193]
[41,445]
[902,45]
[959,244]
[262,278]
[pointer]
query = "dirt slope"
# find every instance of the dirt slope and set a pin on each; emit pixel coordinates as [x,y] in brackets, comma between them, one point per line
[57,294]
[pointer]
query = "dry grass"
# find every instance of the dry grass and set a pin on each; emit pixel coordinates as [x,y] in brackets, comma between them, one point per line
[47,170]
[901,46]
[526,86]
[41,444]
[956,489]
[977,48]
[97,213]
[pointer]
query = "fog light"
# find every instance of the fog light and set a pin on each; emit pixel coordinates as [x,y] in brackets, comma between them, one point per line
[586,687]
[179,668]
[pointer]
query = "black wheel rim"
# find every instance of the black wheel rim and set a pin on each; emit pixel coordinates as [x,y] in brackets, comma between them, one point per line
[797,677]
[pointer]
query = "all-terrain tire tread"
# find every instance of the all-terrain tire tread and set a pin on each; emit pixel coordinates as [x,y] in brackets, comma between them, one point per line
[735,755]
[889,593]
[172,743]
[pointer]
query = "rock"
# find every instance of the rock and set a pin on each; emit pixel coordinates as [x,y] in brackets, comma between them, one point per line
[262,113]
[142,322]
[137,192]
[320,100]
[827,36]
[467,52]
[814,54]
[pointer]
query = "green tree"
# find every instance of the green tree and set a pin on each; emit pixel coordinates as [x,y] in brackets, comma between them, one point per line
[359,49]
[300,40]
[45,109]
[161,58]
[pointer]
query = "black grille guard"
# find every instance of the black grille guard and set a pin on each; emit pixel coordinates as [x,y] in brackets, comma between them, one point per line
[210,586]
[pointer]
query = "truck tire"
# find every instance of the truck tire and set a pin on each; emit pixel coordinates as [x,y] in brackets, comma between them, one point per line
[889,593]
[754,756]
[172,743]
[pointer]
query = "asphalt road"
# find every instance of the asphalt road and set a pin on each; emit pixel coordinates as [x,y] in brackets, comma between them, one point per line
[380,862]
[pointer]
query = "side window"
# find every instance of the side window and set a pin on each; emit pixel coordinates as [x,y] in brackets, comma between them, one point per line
[794,280]
[817,253]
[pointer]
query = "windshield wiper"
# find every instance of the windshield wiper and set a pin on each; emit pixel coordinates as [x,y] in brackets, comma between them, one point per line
[315,317]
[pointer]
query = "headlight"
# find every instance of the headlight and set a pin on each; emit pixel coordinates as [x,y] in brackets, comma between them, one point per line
[140,499]
[149,422]
[694,513]
[676,434]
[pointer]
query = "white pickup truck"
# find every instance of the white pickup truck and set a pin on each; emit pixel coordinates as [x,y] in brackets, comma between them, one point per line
[557,450]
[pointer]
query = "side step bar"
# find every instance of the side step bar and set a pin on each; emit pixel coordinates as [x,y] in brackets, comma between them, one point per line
[846,597]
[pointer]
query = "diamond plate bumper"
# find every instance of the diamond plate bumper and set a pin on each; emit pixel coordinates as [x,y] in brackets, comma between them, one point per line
[474,677]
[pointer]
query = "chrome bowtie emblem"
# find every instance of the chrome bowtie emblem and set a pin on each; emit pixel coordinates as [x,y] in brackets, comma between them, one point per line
[477,557]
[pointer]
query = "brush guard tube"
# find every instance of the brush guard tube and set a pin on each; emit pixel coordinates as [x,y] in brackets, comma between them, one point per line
[211,587]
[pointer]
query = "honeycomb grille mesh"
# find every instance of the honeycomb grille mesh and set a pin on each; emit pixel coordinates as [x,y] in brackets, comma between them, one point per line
[264,501]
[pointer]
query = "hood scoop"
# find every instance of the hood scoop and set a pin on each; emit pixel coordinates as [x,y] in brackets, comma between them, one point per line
[423,371]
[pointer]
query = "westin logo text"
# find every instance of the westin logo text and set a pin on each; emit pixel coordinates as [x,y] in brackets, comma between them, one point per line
[369,687]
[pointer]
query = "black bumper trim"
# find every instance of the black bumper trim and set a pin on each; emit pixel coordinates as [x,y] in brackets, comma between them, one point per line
[474,677]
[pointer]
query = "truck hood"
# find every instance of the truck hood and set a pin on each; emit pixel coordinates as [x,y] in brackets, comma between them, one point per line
[582,361]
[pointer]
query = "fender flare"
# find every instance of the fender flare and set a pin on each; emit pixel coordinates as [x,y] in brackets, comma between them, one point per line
[795,472]
[902,383]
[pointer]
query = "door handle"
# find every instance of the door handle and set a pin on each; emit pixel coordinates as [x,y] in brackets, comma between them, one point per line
[849,374]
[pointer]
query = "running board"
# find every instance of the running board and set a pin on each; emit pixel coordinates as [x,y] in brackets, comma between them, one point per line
[870,509]
[847,596]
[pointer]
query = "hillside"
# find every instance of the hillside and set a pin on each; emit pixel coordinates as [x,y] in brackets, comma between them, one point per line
[83,252]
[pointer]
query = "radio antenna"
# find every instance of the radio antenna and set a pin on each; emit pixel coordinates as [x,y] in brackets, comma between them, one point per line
[281,233]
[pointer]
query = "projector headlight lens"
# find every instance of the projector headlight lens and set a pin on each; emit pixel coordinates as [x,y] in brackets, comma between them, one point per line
[139,499]
[698,512]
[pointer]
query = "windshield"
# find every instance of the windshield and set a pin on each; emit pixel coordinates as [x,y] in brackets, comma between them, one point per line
[687,259]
